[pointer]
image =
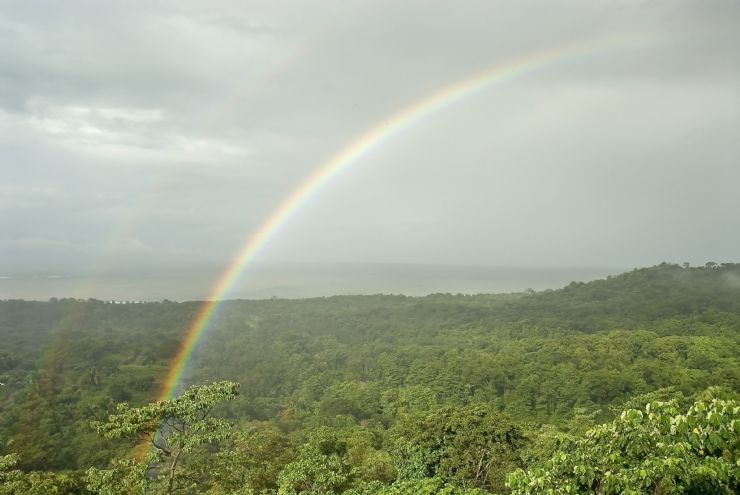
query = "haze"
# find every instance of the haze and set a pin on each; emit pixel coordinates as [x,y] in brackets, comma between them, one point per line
[139,136]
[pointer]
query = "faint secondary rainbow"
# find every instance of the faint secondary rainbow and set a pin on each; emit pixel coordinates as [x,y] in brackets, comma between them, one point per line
[355,150]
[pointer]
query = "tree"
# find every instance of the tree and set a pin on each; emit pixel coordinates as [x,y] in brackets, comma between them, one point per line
[320,469]
[252,458]
[172,430]
[656,450]
[14,481]
[471,446]
[424,486]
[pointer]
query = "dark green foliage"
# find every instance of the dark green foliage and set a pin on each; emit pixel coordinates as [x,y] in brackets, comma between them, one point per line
[253,458]
[472,446]
[441,394]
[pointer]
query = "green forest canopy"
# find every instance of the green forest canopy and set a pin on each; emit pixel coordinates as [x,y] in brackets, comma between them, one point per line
[386,394]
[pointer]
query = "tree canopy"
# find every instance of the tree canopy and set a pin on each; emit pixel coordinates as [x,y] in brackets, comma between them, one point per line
[627,383]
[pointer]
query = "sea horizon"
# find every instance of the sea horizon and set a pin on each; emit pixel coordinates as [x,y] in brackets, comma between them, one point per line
[294,281]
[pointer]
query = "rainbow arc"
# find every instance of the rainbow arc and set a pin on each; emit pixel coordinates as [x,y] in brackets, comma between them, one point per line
[353,152]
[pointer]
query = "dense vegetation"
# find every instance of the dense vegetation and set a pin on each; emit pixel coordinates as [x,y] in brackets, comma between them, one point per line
[617,385]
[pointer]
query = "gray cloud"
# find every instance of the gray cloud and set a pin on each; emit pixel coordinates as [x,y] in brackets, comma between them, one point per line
[144,133]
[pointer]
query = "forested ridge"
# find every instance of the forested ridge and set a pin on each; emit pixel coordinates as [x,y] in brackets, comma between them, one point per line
[610,386]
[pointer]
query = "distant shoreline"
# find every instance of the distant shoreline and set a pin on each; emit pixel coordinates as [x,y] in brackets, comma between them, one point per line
[297,281]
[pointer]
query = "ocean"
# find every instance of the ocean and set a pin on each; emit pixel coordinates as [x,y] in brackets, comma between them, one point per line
[294,281]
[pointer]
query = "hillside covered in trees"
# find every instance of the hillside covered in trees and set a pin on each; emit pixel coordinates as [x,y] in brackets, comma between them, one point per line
[622,385]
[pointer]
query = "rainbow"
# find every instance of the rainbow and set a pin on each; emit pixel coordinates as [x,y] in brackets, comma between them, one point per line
[353,152]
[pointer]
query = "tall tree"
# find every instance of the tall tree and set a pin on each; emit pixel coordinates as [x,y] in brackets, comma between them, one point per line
[172,429]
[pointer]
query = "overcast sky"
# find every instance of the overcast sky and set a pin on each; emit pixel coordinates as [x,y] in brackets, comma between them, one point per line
[142,134]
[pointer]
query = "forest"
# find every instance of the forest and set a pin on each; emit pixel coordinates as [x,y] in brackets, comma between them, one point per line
[623,385]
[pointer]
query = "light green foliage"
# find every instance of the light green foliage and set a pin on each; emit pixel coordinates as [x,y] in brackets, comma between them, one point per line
[11,480]
[544,441]
[182,423]
[122,477]
[657,450]
[174,429]
[425,486]
[321,467]
[16,482]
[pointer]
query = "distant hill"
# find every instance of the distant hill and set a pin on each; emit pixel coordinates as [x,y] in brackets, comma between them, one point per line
[636,297]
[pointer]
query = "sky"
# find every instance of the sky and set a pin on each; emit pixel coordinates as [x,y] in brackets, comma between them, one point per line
[151,134]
